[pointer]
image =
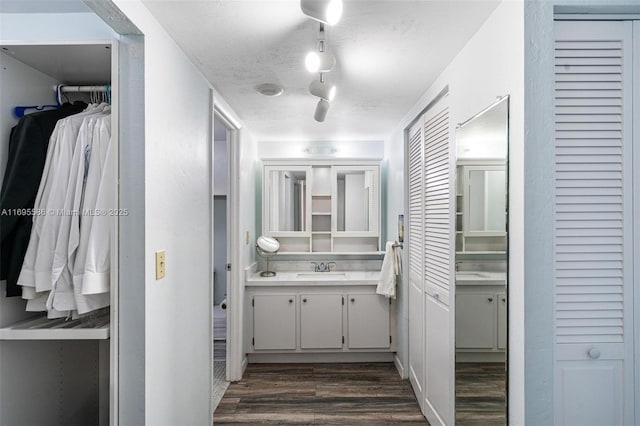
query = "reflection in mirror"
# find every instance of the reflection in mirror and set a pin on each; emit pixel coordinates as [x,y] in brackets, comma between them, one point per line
[355,197]
[287,195]
[481,266]
[487,199]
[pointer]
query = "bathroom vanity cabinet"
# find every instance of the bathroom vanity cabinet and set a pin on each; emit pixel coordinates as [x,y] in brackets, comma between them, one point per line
[322,206]
[481,320]
[481,317]
[285,314]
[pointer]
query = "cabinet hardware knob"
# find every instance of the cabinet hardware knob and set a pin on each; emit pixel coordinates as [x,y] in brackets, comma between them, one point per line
[594,353]
[290,300]
[304,300]
[353,300]
[504,300]
[490,299]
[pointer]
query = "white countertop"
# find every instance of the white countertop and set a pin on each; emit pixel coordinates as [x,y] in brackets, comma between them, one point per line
[333,278]
[481,278]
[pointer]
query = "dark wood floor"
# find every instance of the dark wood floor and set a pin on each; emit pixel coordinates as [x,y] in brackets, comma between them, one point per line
[480,394]
[352,394]
[348,394]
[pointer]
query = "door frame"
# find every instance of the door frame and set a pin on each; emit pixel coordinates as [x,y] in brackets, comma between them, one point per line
[234,236]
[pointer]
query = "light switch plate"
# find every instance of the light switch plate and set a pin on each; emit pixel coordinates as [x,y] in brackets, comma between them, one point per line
[160,264]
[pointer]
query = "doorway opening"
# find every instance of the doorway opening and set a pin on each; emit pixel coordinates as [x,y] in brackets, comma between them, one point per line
[222,197]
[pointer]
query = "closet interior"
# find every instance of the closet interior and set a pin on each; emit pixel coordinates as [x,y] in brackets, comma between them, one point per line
[58,366]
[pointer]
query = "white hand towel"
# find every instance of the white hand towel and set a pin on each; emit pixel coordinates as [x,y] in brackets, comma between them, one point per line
[387,282]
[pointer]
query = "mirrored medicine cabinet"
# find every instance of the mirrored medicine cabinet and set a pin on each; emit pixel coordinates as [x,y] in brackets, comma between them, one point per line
[330,207]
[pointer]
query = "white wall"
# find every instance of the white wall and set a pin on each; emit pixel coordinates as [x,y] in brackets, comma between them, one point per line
[490,65]
[20,85]
[177,219]
[343,149]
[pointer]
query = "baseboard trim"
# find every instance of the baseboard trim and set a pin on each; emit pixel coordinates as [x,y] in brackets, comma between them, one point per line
[328,357]
[243,366]
[400,367]
[480,357]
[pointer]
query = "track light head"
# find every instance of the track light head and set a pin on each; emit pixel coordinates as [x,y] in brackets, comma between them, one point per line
[322,90]
[325,11]
[321,110]
[319,61]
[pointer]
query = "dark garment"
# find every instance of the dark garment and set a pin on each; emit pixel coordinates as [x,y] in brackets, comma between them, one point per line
[27,153]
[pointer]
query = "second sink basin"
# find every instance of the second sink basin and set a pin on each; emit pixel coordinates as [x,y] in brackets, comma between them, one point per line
[322,275]
[470,274]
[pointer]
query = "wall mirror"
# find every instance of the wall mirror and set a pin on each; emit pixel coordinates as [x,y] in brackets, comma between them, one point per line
[287,201]
[355,208]
[481,287]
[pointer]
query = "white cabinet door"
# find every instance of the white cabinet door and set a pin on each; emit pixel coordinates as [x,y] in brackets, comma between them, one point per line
[502,320]
[320,321]
[475,320]
[368,319]
[274,322]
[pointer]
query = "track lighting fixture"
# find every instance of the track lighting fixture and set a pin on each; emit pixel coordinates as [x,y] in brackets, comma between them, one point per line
[321,110]
[319,61]
[325,11]
[322,90]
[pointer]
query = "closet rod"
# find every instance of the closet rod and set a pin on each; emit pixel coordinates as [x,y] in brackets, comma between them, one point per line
[88,89]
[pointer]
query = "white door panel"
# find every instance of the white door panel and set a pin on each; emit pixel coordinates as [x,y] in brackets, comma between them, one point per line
[593,242]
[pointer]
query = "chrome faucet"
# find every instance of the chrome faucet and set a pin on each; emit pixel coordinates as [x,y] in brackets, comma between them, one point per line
[322,267]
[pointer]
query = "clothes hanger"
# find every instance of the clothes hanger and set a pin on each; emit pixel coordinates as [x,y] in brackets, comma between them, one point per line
[19,111]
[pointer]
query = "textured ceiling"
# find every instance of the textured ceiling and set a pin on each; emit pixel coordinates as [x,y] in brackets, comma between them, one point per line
[388,54]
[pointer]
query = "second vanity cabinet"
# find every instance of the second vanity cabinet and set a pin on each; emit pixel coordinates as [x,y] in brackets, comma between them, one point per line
[317,318]
[481,319]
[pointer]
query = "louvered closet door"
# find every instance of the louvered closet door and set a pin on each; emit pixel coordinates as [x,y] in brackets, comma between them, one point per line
[415,245]
[593,225]
[438,258]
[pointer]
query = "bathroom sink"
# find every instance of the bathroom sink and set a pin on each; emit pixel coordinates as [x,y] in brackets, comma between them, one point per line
[322,275]
[484,277]
[470,275]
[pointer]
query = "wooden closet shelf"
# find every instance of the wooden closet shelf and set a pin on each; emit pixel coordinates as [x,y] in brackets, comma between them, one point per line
[42,328]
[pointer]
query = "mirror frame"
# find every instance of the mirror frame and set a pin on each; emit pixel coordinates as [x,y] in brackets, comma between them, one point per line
[266,196]
[374,206]
[487,165]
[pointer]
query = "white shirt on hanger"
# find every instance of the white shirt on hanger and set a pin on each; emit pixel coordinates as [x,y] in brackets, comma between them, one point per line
[36,270]
[61,296]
